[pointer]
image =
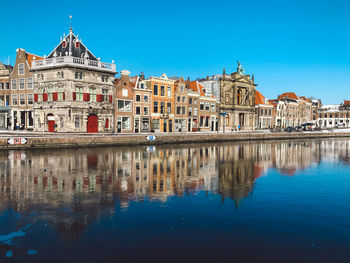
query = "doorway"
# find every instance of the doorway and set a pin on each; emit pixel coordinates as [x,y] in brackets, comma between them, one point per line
[92,123]
[51,122]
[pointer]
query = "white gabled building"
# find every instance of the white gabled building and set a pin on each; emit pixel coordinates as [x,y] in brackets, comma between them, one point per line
[73,89]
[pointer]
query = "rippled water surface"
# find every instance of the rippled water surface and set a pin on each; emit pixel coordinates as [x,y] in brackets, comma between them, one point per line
[276,201]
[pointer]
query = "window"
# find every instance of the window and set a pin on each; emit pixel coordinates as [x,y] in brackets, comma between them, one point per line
[124,105]
[21,69]
[181,88]
[60,93]
[265,111]
[92,92]
[78,75]
[169,108]
[14,83]
[189,100]
[2,100]
[169,91]
[213,107]
[61,122]
[77,122]
[105,95]
[155,124]
[270,112]
[7,85]
[189,112]
[79,93]
[155,90]
[138,110]
[155,107]
[201,107]
[2,85]
[22,99]
[183,99]
[126,123]
[138,97]
[178,98]
[162,91]
[262,112]
[14,100]
[207,106]
[195,101]
[21,84]
[183,110]
[178,110]
[40,94]
[195,111]
[145,110]
[145,98]
[50,92]
[60,75]
[29,83]
[104,79]
[30,98]
[162,107]
[124,92]
[142,86]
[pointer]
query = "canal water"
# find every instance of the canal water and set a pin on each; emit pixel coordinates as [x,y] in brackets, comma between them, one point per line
[280,201]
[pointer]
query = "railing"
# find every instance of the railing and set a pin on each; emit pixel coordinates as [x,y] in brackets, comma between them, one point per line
[48,62]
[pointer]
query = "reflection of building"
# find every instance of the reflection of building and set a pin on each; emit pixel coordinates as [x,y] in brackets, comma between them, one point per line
[71,188]
[73,89]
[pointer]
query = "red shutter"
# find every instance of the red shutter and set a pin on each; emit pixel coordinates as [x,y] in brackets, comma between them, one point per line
[55,96]
[86,96]
[35,97]
[45,97]
[74,96]
[64,96]
[110,98]
[107,123]
[99,98]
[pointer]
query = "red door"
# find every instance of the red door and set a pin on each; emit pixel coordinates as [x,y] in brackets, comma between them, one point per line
[51,126]
[92,124]
[51,122]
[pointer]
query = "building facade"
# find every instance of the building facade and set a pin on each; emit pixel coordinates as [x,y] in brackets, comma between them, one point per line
[73,90]
[181,106]
[142,106]
[22,91]
[5,110]
[263,112]
[163,100]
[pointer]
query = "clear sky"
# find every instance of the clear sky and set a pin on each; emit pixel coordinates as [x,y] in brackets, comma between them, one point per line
[300,46]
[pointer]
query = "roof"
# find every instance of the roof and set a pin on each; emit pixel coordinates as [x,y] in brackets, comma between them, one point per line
[260,99]
[71,43]
[289,95]
[197,87]
[304,98]
[30,58]
[347,102]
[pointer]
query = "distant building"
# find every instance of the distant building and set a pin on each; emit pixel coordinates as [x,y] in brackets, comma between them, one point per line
[142,106]
[73,89]
[181,105]
[237,101]
[263,112]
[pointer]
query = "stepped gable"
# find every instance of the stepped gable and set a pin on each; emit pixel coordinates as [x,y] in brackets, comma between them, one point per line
[71,45]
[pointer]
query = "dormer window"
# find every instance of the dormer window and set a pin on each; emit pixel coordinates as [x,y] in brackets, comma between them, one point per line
[76,44]
[64,44]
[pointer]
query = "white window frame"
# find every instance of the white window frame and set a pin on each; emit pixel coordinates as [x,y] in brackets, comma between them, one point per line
[22,95]
[14,81]
[24,84]
[124,92]
[30,100]
[20,69]
[14,97]
[29,81]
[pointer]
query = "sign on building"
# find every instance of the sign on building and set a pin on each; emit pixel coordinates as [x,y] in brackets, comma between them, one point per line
[17,141]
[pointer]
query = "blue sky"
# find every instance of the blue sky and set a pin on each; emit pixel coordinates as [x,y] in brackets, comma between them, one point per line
[300,46]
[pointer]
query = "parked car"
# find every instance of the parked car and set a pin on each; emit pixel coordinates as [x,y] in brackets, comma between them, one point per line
[289,129]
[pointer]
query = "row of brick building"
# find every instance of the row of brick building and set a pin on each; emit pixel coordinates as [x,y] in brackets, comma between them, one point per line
[72,90]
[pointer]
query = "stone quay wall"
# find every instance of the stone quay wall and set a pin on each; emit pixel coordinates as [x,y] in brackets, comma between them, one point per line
[40,141]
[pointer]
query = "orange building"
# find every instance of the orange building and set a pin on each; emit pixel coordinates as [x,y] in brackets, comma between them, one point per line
[163,100]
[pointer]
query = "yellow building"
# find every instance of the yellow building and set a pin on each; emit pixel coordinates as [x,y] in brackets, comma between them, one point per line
[163,103]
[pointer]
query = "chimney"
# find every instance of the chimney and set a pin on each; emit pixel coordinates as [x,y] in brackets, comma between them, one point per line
[207,77]
[142,76]
[188,82]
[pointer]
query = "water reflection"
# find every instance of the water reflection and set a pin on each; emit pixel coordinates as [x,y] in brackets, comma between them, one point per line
[70,189]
